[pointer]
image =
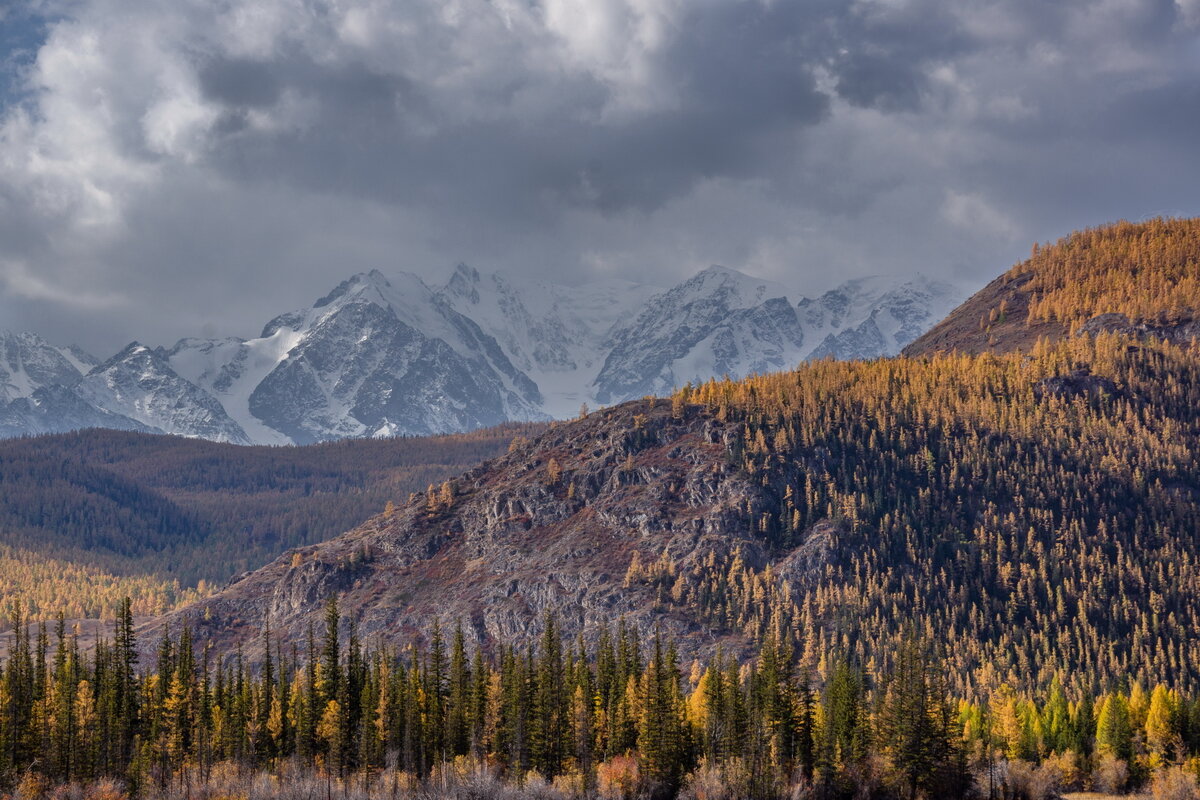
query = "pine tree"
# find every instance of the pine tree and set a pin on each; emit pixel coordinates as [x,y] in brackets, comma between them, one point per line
[1114,734]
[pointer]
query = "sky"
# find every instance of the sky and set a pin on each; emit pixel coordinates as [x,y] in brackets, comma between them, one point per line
[194,167]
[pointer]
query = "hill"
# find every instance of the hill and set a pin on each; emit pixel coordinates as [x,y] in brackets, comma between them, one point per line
[1036,515]
[88,517]
[1134,278]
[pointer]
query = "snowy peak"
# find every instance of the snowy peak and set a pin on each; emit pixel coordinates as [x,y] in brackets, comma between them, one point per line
[728,287]
[464,284]
[139,383]
[28,362]
[719,322]
[722,322]
[38,384]
[372,284]
[553,334]
[877,316]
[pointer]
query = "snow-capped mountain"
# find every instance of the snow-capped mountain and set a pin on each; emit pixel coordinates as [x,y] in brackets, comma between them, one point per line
[722,322]
[380,357]
[372,358]
[719,322]
[37,388]
[876,316]
[554,334]
[28,363]
[138,383]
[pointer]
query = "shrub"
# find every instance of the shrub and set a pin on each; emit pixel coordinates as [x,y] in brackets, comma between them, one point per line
[1069,774]
[1174,783]
[1110,776]
[618,778]
[569,784]
[715,781]
[32,786]
[1031,782]
[105,789]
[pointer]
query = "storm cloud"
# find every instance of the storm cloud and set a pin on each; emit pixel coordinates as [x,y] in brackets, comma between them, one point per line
[170,167]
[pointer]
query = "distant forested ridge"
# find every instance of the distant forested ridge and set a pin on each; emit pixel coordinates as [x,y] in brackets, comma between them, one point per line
[89,517]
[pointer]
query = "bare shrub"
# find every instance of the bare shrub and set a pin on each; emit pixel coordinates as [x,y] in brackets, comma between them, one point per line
[1110,775]
[867,776]
[1031,782]
[1174,783]
[538,788]
[716,781]
[569,784]
[66,791]
[1070,776]
[105,789]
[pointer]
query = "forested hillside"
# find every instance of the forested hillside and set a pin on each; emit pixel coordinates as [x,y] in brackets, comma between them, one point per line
[1036,514]
[1136,278]
[87,518]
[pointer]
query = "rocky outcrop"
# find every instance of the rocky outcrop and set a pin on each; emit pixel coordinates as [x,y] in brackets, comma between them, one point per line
[1181,331]
[550,527]
[1079,383]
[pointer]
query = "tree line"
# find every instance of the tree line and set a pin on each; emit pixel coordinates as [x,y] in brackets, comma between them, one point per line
[621,717]
[624,712]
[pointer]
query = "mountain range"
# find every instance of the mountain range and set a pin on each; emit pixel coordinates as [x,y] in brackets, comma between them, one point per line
[383,357]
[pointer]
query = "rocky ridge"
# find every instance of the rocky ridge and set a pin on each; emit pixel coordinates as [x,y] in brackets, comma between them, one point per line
[551,526]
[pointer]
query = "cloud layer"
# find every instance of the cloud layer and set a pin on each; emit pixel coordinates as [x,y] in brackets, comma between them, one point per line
[171,166]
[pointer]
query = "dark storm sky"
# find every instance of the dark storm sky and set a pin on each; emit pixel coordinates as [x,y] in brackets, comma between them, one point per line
[175,167]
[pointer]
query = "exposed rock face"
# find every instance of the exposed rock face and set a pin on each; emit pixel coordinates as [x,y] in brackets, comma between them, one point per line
[1080,383]
[1177,331]
[514,544]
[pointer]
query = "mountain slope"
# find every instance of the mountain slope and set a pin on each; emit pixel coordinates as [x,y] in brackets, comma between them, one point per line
[722,322]
[1050,500]
[37,389]
[29,363]
[1134,278]
[554,334]
[719,322]
[870,317]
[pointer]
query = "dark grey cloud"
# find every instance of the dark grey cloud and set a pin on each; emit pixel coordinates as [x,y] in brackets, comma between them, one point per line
[239,83]
[213,164]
